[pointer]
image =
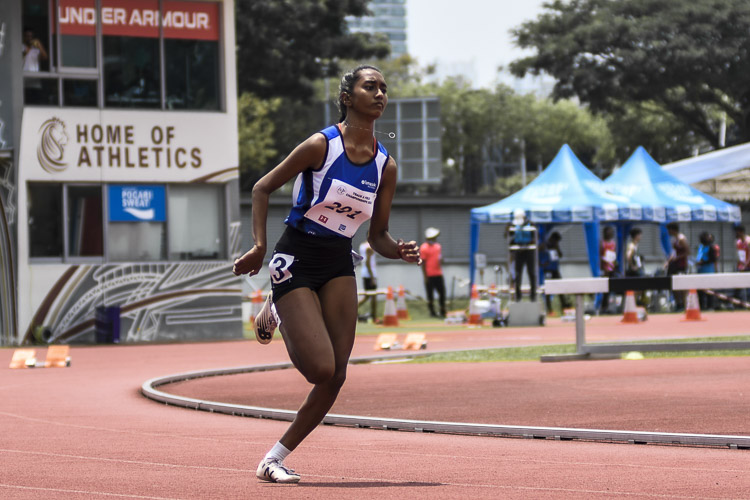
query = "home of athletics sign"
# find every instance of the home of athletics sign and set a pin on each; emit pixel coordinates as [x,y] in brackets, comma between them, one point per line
[125,146]
[111,146]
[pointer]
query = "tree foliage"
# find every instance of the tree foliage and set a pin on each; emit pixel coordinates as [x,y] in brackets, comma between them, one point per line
[285,45]
[486,131]
[690,59]
[256,130]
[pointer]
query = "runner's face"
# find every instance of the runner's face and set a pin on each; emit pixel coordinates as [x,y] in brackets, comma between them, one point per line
[369,95]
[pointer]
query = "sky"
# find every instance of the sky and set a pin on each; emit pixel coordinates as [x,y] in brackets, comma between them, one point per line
[467,36]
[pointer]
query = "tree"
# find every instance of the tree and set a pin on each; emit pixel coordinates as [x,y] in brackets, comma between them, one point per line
[285,45]
[647,124]
[691,59]
[256,128]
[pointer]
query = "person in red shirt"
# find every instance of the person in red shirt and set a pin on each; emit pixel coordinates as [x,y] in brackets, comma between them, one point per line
[677,262]
[743,258]
[743,249]
[607,261]
[432,259]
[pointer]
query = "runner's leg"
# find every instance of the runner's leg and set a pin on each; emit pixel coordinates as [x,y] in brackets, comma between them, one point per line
[318,330]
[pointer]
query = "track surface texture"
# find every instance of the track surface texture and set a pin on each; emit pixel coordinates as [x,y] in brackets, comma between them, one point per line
[87,432]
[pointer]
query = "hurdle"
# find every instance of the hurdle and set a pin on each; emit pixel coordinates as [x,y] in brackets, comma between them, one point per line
[681,282]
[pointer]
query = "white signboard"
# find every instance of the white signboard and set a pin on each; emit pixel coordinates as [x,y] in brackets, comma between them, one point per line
[127,146]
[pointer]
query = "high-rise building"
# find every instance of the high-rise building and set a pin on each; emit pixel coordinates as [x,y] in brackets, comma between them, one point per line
[388,17]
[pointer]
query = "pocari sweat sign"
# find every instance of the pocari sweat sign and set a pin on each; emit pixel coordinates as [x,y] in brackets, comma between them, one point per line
[137,203]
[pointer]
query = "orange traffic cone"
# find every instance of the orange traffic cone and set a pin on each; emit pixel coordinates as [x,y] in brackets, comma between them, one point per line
[630,313]
[390,317]
[692,307]
[401,310]
[256,304]
[474,317]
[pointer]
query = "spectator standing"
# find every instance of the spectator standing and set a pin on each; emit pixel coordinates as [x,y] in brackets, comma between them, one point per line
[33,54]
[706,259]
[523,238]
[634,261]
[743,258]
[677,262]
[549,264]
[432,270]
[607,262]
[369,278]
[743,249]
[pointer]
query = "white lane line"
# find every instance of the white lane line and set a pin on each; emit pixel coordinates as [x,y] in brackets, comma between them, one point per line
[347,478]
[123,461]
[82,492]
[126,431]
[389,452]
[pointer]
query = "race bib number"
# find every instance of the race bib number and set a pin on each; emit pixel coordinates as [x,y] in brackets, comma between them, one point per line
[610,255]
[279,267]
[553,256]
[343,209]
[741,255]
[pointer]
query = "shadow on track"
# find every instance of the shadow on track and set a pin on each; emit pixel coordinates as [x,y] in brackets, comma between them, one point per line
[369,484]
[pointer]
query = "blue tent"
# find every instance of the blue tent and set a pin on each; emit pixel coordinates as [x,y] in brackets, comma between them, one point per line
[664,197]
[644,181]
[565,192]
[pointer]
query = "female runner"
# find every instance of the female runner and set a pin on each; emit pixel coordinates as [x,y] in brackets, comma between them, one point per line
[343,178]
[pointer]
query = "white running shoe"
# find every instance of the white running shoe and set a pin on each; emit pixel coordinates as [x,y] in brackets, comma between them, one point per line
[273,471]
[265,322]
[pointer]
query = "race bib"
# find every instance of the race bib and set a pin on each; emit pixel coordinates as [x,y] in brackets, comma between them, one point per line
[279,267]
[741,255]
[553,256]
[343,209]
[610,255]
[637,260]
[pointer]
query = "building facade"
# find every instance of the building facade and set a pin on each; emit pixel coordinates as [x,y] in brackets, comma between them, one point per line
[120,191]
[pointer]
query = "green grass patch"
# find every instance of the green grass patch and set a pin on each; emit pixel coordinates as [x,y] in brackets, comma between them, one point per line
[533,353]
[528,353]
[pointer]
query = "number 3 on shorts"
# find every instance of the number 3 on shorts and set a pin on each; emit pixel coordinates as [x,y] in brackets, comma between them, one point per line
[279,267]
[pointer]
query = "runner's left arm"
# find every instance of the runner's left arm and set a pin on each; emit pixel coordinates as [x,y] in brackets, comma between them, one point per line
[379,238]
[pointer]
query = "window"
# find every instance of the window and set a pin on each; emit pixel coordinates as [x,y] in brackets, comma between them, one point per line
[77,21]
[40,91]
[80,93]
[192,68]
[137,222]
[36,35]
[45,220]
[85,221]
[131,72]
[78,51]
[136,241]
[152,54]
[137,226]
[196,222]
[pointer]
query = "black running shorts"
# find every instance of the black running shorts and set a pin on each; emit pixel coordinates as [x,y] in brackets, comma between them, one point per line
[304,261]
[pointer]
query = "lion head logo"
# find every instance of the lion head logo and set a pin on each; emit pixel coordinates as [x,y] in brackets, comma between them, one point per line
[51,148]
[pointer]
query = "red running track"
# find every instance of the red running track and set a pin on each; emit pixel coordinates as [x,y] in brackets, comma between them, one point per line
[86,432]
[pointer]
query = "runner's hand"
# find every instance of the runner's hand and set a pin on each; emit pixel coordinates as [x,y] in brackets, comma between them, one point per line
[409,252]
[250,263]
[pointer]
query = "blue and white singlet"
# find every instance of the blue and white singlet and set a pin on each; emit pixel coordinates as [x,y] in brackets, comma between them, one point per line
[335,199]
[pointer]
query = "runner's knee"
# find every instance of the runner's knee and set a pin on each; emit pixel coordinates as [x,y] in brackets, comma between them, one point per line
[319,373]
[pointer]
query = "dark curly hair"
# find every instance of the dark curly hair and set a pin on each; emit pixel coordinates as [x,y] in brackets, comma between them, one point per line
[347,86]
